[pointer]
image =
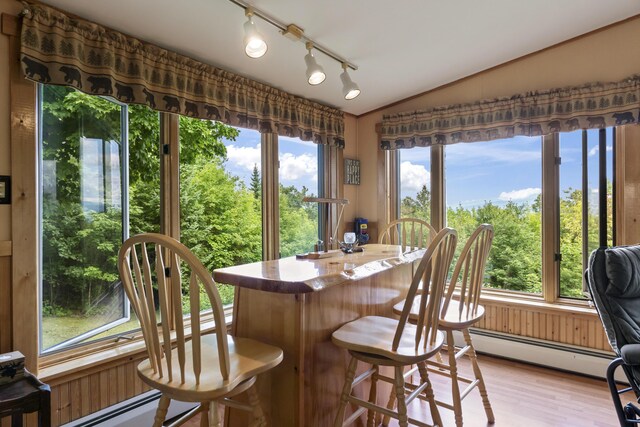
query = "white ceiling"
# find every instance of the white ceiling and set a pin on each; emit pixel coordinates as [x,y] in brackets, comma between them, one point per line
[401,47]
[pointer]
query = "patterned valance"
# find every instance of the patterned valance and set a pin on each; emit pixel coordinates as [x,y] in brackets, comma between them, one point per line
[64,50]
[591,106]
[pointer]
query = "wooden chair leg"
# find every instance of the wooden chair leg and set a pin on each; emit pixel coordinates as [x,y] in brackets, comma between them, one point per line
[478,374]
[390,405]
[455,387]
[373,396]
[214,416]
[258,413]
[433,407]
[403,419]
[346,392]
[204,415]
[161,412]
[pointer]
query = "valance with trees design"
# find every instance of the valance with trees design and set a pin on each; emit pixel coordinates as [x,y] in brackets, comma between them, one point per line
[64,50]
[596,105]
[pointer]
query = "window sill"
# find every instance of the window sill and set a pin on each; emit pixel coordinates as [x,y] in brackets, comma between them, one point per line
[71,364]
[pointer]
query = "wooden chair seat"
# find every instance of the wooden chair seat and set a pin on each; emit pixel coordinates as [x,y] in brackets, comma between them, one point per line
[454,318]
[247,358]
[374,335]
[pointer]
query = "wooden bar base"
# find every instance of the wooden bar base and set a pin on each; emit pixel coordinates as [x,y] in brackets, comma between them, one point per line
[304,389]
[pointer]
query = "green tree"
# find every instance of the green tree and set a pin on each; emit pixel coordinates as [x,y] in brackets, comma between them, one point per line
[256,183]
[420,207]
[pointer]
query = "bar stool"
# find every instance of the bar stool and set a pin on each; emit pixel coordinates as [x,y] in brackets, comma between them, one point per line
[382,341]
[460,315]
[411,233]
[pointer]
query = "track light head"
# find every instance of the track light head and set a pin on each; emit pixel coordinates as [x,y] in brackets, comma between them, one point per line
[254,44]
[315,72]
[350,90]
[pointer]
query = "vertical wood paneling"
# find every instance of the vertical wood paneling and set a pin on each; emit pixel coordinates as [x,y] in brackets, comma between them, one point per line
[5,304]
[24,213]
[581,329]
[64,403]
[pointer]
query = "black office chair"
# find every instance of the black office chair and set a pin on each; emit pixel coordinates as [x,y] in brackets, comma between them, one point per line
[613,277]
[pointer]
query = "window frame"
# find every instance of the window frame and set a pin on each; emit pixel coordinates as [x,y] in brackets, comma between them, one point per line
[77,340]
[550,215]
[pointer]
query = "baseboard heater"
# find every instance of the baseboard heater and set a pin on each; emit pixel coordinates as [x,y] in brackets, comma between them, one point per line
[549,354]
[135,412]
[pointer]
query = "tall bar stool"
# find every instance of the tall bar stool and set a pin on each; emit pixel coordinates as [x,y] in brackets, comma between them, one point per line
[460,315]
[411,233]
[208,369]
[382,341]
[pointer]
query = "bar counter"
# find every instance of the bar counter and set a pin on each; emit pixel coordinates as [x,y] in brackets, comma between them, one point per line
[296,304]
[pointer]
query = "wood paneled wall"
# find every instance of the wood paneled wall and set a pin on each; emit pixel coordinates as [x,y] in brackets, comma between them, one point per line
[5,304]
[75,398]
[575,328]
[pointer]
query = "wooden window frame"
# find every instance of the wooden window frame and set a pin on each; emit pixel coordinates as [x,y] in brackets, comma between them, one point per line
[26,268]
[550,295]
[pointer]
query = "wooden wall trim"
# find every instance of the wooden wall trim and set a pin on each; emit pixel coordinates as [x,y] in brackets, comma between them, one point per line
[5,248]
[24,188]
[10,24]
[270,194]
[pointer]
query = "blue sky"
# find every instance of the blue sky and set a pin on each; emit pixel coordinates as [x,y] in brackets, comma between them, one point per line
[501,170]
[298,159]
[496,171]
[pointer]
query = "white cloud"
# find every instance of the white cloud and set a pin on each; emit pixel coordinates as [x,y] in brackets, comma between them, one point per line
[294,167]
[522,194]
[413,177]
[245,157]
[595,150]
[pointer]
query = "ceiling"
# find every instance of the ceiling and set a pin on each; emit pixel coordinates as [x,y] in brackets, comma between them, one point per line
[401,47]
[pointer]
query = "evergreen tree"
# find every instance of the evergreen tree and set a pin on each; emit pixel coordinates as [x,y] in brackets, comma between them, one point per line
[256,183]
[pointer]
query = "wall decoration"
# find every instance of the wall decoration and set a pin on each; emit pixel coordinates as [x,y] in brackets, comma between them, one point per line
[352,171]
[5,190]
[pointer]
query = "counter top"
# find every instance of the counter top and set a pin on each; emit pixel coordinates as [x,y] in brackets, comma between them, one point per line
[293,276]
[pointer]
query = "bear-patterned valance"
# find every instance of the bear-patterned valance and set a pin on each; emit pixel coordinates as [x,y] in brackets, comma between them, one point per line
[596,105]
[60,49]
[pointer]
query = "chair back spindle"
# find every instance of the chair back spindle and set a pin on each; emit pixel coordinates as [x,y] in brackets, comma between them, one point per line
[468,272]
[411,233]
[174,263]
[432,272]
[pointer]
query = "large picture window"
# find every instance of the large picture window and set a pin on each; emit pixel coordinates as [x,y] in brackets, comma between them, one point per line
[500,183]
[298,177]
[415,183]
[89,201]
[585,171]
[220,195]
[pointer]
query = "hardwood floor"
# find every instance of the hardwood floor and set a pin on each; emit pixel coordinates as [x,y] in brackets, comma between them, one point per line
[523,396]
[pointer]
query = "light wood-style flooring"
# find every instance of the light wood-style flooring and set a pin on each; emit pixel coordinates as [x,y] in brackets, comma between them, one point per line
[523,395]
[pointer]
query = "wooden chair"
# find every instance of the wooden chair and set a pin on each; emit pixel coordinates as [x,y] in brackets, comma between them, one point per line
[382,341]
[207,368]
[459,315]
[411,233]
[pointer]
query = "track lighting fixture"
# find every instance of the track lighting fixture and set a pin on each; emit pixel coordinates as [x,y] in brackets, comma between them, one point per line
[254,44]
[315,73]
[255,47]
[349,89]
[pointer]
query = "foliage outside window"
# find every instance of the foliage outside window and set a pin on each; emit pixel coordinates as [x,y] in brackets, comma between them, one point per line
[220,197]
[298,175]
[499,182]
[415,183]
